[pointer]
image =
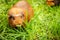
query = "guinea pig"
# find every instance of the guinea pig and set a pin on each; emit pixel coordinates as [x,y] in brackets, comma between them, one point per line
[53,2]
[20,13]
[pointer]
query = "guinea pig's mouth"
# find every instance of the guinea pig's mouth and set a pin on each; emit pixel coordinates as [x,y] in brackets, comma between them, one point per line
[18,25]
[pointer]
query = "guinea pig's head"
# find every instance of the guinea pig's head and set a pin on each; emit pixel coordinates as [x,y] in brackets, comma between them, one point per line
[16,16]
[50,2]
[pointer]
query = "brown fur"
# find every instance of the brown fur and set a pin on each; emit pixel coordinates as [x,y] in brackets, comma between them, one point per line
[20,13]
[53,2]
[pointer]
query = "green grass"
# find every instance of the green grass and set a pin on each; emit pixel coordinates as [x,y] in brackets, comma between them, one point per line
[45,25]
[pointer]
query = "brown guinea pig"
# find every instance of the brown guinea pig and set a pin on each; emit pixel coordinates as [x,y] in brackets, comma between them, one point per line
[53,2]
[20,13]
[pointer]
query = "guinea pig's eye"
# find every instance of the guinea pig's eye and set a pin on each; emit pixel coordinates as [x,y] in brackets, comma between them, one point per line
[52,1]
[22,15]
[12,17]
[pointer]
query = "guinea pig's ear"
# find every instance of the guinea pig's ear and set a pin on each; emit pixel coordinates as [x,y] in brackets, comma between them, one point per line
[11,17]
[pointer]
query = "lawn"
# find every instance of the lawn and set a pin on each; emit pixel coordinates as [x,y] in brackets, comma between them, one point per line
[45,25]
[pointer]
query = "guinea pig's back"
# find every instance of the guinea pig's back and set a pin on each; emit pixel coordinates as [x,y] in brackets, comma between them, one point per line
[22,4]
[57,2]
[53,2]
[25,5]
